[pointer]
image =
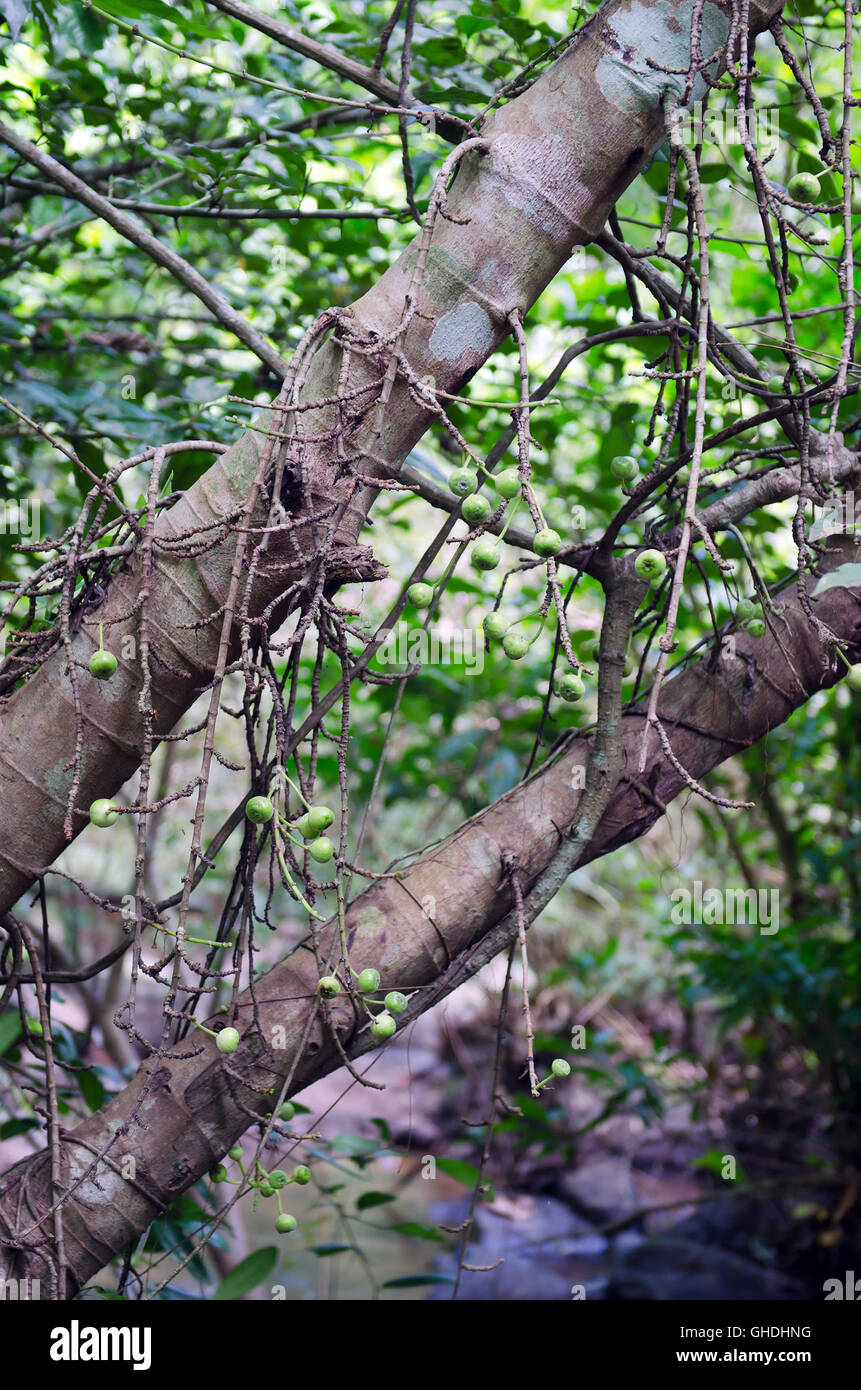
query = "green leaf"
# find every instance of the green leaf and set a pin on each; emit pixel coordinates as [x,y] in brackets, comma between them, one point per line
[373,1199]
[327,1158]
[330,1249]
[712,1161]
[91,1089]
[10,1031]
[355,1145]
[463,1172]
[417,1228]
[247,1274]
[443,52]
[153,9]
[473,24]
[13,1127]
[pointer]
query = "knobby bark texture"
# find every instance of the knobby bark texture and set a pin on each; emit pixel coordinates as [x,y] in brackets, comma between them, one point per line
[556,159]
[198,1106]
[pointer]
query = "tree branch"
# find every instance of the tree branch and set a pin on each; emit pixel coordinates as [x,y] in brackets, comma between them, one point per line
[371,79]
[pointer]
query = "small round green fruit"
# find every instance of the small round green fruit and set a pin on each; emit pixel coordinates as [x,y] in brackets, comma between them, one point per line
[328,986]
[103,813]
[420,595]
[266,1189]
[301,1174]
[853,677]
[756,627]
[383,1026]
[650,564]
[235,1152]
[462,482]
[805,188]
[287,1111]
[624,467]
[395,1002]
[227,1040]
[218,1173]
[485,555]
[745,609]
[319,819]
[515,645]
[278,1178]
[570,686]
[560,1067]
[259,809]
[547,542]
[368,981]
[102,665]
[321,849]
[475,509]
[285,1223]
[495,625]
[507,483]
